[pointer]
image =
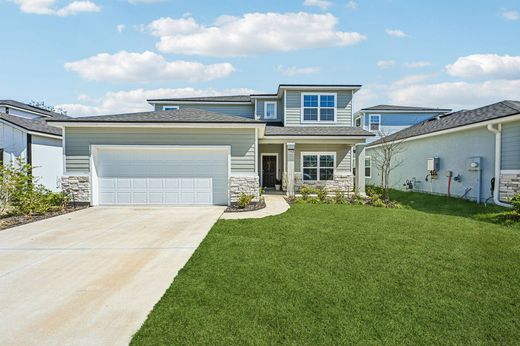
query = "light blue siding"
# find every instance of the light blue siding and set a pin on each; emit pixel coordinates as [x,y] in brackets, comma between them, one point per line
[78,141]
[453,149]
[279,110]
[511,146]
[343,112]
[246,111]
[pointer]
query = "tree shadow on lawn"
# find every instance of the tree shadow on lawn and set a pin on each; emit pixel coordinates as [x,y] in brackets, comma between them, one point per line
[455,207]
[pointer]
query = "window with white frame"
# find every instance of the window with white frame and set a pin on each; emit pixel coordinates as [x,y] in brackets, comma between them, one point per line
[368,167]
[358,122]
[269,110]
[319,107]
[375,122]
[170,108]
[318,166]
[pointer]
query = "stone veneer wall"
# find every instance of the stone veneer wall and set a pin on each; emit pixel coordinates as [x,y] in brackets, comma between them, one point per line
[249,185]
[77,187]
[342,181]
[509,186]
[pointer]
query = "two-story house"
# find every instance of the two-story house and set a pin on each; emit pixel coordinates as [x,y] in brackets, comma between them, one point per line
[384,120]
[209,150]
[25,134]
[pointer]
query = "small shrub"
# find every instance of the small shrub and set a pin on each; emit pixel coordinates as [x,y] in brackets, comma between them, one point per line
[377,202]
[358,200]
[322,194]
[313,200]
[372,190]
[262,191]
[339,197]
[307,190]
[58,199]
[244,200]
[515,201]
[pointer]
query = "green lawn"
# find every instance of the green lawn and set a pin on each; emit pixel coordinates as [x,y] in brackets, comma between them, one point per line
[435,272]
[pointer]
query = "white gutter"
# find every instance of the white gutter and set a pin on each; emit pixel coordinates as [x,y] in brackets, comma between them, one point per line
[498,151]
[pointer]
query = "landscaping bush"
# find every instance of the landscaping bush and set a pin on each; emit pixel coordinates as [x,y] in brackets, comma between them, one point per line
[339,197]
[372,190]
[307,190]
[515,201]
[244,200]
[322,194]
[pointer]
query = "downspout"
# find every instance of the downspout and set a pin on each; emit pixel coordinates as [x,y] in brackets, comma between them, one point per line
[498,151]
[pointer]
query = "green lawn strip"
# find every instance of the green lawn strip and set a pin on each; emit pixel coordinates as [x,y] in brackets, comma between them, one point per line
[332,274]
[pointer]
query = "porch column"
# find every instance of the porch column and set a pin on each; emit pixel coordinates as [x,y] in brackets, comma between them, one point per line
[360,169]
[290,168]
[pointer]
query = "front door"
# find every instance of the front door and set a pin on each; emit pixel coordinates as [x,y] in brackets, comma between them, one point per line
[268,170]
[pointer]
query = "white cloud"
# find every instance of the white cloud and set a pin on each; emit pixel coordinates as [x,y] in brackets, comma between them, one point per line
[352,4]
[385,63]
[510,14]
[323,4]
[48,7]
[144,1]
[486,65]
[145,67]
[417,64]
[167,26]
[456,95]
[115,102]
[396,33]
[120,27]
[412,79]
[252,33]
[295,71]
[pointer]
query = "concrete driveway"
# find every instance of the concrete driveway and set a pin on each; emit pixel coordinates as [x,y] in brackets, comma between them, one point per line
[92,277]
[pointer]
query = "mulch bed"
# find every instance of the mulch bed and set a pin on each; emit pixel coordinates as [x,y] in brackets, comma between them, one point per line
[18,220]
[251,207]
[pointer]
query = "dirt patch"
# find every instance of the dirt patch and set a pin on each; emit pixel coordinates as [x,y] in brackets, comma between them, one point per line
[251,207]
[18,220]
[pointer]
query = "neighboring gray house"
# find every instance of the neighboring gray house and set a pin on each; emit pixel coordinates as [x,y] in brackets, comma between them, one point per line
[208,150]
[461,151]
[388,119]
[24,133]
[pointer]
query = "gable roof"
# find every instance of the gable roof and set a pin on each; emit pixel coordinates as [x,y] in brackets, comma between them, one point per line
[457,119]
[32,109]
[183,115]
[31,125]
[404,108]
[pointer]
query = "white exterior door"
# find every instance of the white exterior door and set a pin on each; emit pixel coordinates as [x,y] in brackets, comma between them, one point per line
[161,175]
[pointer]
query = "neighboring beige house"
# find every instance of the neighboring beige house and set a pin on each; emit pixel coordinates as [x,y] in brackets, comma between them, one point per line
[208,150]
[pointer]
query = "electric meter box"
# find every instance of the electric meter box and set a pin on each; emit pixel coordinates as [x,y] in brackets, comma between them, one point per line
[474,163]
[432,164]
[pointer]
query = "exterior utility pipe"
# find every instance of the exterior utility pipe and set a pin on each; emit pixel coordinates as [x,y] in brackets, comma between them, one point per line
[498,152]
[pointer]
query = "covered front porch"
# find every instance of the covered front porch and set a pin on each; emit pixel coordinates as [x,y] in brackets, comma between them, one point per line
[287,164]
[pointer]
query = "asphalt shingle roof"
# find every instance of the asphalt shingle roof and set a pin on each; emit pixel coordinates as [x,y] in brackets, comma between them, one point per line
[183,115]
[230,98]
[404,108]
[30,108]
[34,125]
[278,130]
[456,119]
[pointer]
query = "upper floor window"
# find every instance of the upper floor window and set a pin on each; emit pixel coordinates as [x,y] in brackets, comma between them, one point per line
[318,107]
[375,122]
[170,108]
[358,122]
[269,110]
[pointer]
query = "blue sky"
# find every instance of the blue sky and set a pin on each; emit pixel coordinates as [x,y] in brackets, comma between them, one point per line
[95,57]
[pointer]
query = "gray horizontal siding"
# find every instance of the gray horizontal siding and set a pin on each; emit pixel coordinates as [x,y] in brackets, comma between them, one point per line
[279,110]
[342,154]
[246,111]
[511,146]
[343,111]
[78,141]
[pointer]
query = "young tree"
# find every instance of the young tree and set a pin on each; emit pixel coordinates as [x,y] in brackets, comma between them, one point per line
[43,105]
[385,158]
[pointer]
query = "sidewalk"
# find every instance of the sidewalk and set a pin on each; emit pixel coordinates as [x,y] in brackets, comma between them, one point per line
[274,205]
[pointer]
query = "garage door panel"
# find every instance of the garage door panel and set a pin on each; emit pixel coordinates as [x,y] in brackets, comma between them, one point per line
[176,176]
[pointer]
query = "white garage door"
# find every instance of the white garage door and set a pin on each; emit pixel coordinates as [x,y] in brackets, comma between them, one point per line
[162,176]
